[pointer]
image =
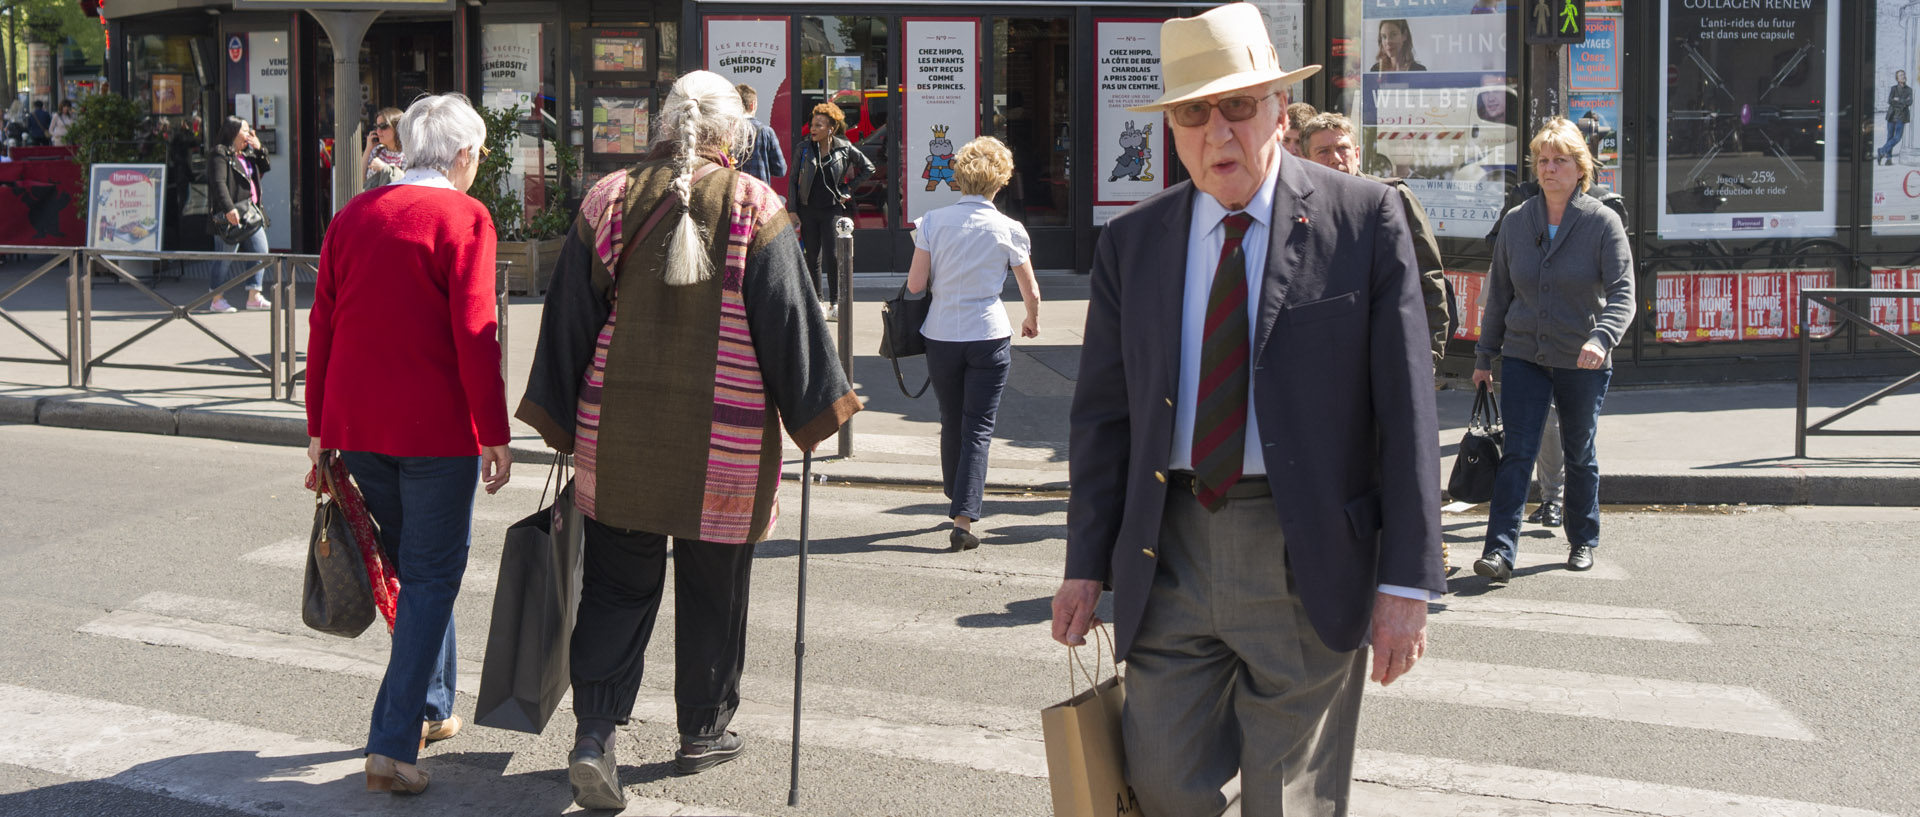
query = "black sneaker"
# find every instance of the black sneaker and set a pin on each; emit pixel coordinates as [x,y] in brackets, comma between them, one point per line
[697,755]
[595,777]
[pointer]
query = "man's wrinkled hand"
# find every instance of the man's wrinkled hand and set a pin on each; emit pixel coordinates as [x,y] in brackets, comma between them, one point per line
[1399,636]
[1073,606]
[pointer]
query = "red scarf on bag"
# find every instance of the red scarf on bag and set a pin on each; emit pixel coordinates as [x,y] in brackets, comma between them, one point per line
[380,572]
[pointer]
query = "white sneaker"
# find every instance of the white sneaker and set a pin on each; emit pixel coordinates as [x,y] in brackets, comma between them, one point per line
[255,300]
[833,312]
[220,305]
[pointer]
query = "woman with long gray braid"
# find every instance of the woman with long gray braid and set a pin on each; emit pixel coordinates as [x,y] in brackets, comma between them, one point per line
[679,336]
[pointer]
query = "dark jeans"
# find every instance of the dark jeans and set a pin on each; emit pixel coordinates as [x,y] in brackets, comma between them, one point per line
[968,378]
[1527,391]
[823,259]
[625,571]
[256,243]
[1894,131]
[424,506]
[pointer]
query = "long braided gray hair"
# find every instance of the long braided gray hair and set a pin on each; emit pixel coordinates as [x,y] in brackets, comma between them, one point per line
[703,111]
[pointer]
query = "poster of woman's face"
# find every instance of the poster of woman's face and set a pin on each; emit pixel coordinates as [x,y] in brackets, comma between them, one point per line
[1451,37]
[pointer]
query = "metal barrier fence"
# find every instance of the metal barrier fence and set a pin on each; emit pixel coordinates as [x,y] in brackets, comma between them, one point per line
[1831,299]
[281,275]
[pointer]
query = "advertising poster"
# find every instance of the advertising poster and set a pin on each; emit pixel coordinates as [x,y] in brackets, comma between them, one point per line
[1132,147]
[1900,316]
[169,94]
[1434,107]
[942,103]
[1595,65]
[1286,27]
[753,51]
[1896,165]
[1719,306]
[1748,106]
[123,206]
[1469,300]
[509,54]
[613,54]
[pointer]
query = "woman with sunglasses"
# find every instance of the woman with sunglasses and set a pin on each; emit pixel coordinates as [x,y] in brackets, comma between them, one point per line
[385,162]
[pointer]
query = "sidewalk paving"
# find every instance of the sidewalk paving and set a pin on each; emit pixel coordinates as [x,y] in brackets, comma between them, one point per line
[1710,444]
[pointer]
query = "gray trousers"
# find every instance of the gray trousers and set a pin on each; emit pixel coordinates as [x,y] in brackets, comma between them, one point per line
[1228,685]
[1550,465]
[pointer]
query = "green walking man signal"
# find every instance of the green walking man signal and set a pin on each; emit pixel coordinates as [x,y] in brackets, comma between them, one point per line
[1557,22]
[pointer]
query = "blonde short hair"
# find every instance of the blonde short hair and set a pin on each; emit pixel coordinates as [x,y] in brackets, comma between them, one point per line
[1564,136]
[983,166]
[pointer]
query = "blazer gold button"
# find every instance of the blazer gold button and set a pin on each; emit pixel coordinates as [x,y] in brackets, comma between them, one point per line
[1148,551]
[1160,475]
[1169,401]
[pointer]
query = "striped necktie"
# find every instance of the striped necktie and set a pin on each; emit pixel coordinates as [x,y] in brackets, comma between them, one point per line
[1220,418]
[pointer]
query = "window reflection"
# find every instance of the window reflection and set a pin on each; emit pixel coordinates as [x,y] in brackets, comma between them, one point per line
[1030,112]
[845,60]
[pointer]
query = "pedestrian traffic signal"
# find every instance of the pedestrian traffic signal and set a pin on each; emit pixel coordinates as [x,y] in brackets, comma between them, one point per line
[1557,22]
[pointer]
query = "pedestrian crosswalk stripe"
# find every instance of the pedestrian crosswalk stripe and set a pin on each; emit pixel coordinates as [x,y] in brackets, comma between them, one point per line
[256,771]
[964,744]
[482,571]
[1565,618]
[1572,693]
[1512,784]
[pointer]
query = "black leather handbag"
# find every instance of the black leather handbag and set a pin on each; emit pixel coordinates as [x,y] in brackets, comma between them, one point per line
[1479,458]
[252,220]
[900,320]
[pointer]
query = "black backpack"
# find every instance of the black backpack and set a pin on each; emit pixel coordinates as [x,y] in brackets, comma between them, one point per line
[1526,190]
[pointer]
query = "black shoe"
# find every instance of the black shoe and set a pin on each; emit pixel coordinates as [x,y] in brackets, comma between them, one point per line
[1534,518]
[697,755]
[1551,514]
[1494,566]
[595,777]
[959,540]
[1580,557]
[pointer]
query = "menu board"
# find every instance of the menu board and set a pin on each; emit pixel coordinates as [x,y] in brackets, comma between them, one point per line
[1715,306]
[626,51]
[619,125]
[123,206]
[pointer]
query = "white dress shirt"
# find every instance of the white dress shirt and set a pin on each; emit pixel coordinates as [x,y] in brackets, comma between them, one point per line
[1205,238]
[425,177]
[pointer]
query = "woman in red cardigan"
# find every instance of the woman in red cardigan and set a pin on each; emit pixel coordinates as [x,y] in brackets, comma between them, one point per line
[403,378]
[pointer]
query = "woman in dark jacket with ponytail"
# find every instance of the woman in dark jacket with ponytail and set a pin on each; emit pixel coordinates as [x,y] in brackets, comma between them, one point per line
[233,176]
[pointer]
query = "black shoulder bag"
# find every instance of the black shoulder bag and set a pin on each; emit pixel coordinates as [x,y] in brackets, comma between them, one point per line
[1479,458]
[900,320]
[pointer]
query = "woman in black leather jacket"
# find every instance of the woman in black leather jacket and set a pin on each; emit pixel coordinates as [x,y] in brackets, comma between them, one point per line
[827,170]
[233,176]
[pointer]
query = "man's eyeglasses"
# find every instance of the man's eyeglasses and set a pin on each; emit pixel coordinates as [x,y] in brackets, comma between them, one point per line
[1234,108]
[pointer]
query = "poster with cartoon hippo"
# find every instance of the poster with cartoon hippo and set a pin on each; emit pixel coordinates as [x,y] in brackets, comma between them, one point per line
[939,160]
[940,109]
[1131,156]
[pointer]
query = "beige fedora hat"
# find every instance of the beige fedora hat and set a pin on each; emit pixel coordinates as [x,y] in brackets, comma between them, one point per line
[1222,50]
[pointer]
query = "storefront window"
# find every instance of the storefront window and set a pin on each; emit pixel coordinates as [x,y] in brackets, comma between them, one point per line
[845,60]
[614,94]
[1031,70]
[513,74]
[1896,160]
[170,76]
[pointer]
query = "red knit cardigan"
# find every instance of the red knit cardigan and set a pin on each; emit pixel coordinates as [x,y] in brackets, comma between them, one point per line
[402,358]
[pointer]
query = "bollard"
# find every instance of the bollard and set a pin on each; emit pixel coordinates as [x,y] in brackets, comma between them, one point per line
[843,251]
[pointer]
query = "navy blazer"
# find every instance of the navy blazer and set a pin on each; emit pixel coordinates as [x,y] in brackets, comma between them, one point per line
[1343,395]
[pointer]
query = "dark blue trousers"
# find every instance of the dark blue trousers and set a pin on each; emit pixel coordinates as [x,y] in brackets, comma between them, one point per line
[968,377]
[1527,393]
[424,506]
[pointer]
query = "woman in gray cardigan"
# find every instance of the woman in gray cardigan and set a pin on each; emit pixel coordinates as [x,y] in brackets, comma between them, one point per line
[1560,297]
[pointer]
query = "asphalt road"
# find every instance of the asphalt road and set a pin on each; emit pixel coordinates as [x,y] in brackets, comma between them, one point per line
[1717,662]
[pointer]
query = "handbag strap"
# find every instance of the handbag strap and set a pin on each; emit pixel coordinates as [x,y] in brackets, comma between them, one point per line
[902,380]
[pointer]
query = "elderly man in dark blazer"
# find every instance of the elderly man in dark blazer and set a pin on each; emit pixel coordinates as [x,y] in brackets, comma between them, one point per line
[1254,465]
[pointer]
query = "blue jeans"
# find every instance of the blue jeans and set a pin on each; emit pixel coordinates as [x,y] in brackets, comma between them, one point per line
[1527,393]
[424,506]
[1894,131]
[968,377]
[256,243]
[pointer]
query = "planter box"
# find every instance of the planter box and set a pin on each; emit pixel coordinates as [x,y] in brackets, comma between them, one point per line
[533,263]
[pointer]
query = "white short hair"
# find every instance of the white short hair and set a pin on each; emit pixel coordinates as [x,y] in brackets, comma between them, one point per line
[436,128]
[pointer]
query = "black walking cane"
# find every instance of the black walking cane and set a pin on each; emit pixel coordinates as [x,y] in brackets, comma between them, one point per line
[800,624]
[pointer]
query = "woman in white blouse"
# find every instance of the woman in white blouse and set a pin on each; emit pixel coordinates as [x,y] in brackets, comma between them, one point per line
[963,252]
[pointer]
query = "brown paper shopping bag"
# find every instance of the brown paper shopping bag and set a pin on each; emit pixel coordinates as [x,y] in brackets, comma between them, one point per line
[1086,762]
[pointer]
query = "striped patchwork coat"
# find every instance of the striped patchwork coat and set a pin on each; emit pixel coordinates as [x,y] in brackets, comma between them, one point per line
[672,399]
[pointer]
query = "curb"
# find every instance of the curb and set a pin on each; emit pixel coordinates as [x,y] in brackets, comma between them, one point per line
[1784,486]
